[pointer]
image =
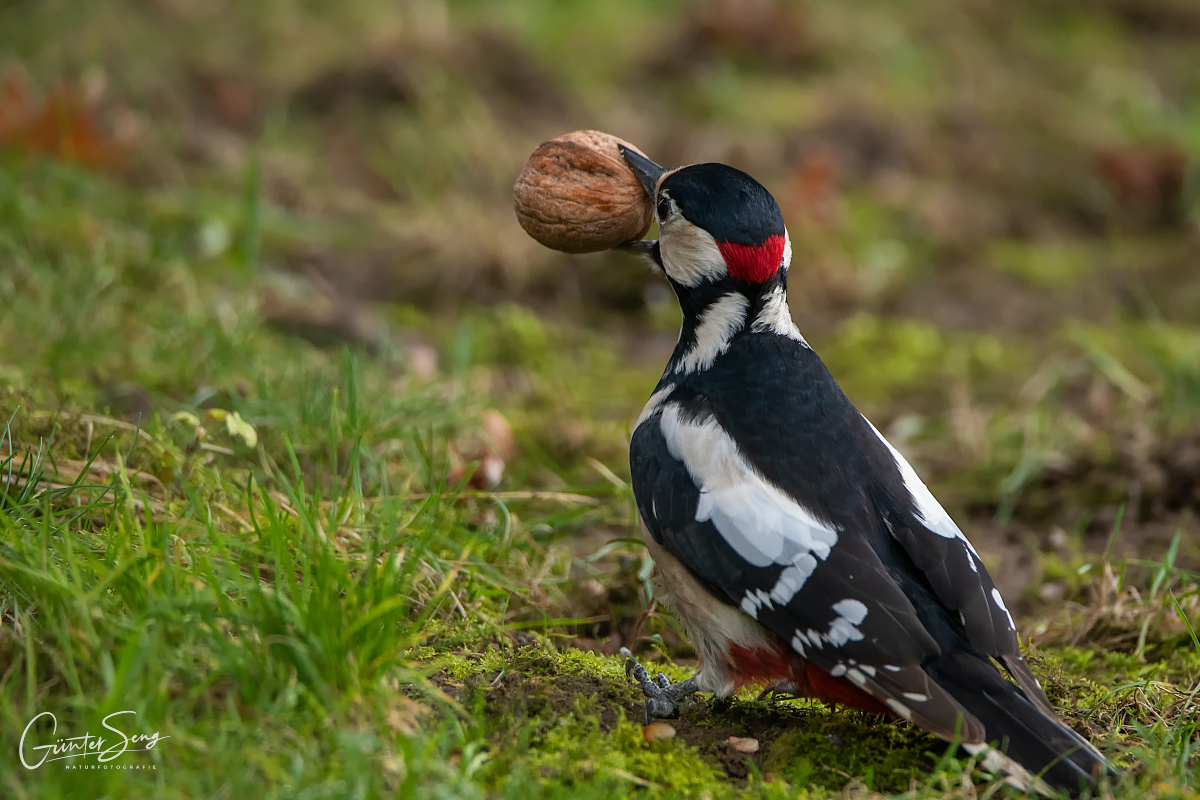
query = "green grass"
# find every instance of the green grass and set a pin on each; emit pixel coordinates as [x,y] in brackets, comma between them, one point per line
[275,552]
[290,600]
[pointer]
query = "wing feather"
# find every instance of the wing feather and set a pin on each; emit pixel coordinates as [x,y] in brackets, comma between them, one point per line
[823,590]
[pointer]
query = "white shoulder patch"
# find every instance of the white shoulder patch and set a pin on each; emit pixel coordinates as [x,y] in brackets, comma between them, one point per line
[761,523]
[714,331]
[653,403]
[928,508]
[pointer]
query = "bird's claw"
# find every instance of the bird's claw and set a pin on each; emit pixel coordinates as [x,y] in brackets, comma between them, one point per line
[663,698]
[781,687]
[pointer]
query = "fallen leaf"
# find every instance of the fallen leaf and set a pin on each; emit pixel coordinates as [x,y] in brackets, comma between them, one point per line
[62,123]
[656,731]
[1146,182]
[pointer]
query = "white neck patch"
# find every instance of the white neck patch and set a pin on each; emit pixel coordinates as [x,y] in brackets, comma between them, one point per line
[714,331]
[776,317]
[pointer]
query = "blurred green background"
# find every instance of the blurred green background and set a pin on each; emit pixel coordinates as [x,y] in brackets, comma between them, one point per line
[272,244]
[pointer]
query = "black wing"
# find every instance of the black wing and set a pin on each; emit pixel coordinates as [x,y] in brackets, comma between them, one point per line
[812,524]
[825,592]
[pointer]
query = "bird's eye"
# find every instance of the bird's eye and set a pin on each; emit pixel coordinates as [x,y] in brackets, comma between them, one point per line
[664,206]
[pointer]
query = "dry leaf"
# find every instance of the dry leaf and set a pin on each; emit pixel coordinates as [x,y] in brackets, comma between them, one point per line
[62,125]
[656,731]
[1146,182]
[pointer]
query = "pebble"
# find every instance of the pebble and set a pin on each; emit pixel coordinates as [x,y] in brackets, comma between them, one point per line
[743,745]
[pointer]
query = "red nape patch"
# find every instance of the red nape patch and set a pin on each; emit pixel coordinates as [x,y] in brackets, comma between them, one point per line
[753,263]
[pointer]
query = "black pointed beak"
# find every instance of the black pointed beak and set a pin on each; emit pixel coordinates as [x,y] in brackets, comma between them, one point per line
[646,170]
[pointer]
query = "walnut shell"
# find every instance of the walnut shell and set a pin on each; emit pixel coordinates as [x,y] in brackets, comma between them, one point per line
[576,194]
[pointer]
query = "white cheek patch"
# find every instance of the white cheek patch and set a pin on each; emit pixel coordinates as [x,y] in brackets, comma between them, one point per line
[689,254]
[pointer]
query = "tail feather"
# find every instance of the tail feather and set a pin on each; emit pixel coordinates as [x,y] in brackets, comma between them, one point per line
[1038,741]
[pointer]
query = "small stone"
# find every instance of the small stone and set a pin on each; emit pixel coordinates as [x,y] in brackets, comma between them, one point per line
[743,744]
[594,589]
[656,731]
[499,432]
[422,360]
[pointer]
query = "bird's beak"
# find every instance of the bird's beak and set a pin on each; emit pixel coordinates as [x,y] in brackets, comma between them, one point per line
[647,171]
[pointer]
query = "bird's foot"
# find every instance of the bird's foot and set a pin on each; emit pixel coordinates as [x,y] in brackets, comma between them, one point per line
[782,687]
[663,698]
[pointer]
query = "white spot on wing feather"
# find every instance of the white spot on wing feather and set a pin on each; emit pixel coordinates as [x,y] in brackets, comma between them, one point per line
[1000,605]
[1015,775]
[853,610]
[844,627]
[792,579]
[754,600]
[841,631]
[901,709]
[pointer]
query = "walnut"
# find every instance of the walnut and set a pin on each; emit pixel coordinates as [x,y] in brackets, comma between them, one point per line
[577,194]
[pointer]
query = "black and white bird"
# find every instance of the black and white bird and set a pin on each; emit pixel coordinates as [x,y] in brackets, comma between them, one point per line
[798,548]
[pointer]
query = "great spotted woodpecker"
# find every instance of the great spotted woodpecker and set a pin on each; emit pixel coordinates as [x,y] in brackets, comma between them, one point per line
[798,548]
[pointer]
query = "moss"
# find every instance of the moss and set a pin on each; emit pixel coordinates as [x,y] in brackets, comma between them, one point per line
[578,752]
[566,722]
[826,748]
